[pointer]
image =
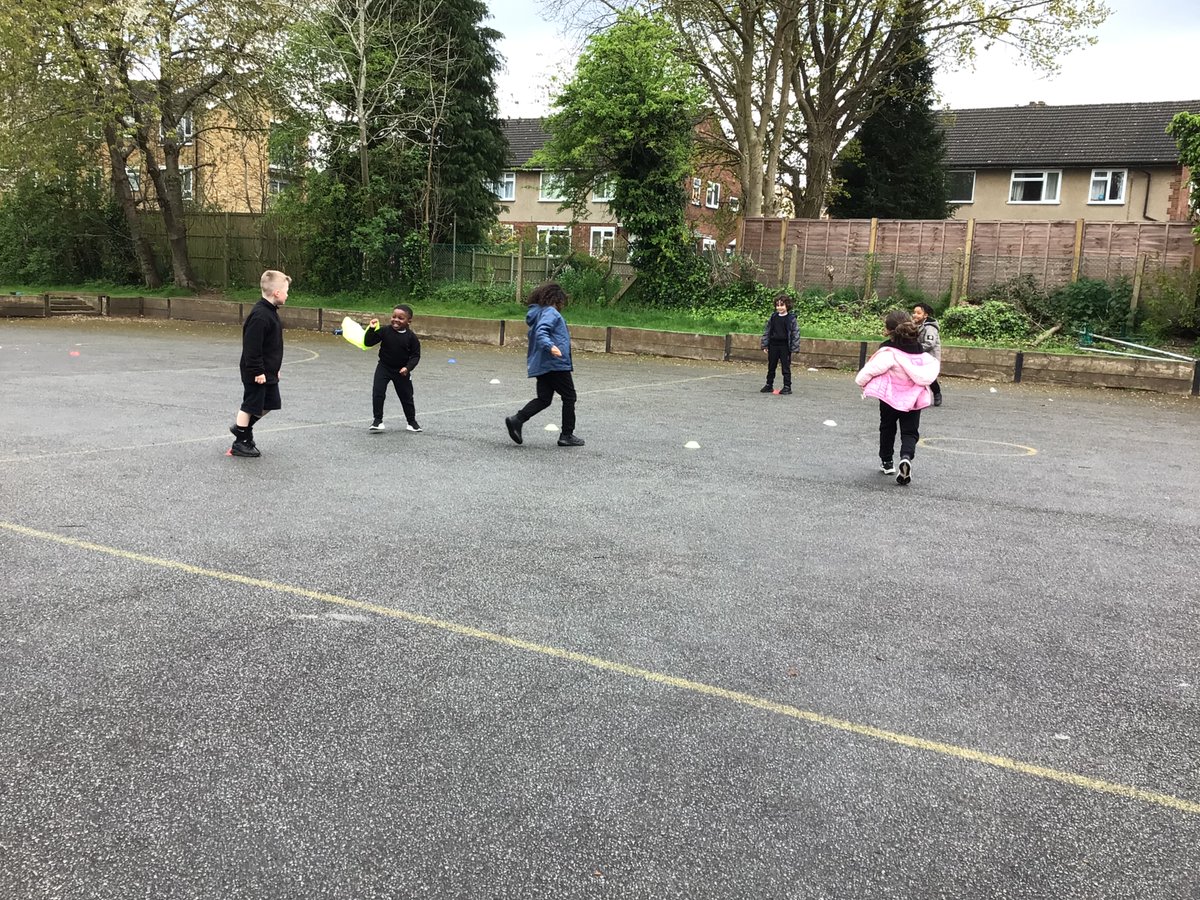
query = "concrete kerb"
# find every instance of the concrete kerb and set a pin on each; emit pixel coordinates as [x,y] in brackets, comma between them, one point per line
[984,364]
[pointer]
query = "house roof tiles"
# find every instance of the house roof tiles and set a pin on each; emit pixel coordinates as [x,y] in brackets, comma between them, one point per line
[1103,134]
[525,136]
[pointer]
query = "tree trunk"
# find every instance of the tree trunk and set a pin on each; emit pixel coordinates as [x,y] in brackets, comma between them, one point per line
[169,191]
[118,156]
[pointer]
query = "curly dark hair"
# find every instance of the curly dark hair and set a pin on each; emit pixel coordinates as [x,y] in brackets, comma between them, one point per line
[548,294]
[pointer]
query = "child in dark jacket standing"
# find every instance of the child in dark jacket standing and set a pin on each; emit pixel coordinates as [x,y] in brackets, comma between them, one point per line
[549,361]
[898,376]
[930,338]
[780,339]
[262,358]
[399,353]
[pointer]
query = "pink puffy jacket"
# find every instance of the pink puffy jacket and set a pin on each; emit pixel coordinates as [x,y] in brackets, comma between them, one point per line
[899,379]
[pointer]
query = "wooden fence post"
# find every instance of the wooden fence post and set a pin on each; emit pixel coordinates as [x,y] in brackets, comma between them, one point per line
[871,258]
[1078,258]
[968,249]
[225,255]
[782,250]
[1139,272]
[792,267]
[520,270]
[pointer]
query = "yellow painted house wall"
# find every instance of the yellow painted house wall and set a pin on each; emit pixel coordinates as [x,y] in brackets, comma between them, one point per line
[1147,197]
[230,166]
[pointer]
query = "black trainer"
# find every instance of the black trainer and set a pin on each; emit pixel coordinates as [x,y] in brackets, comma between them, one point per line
[570,440]
[513,424]
[937,399]
[904,476]
[766,389]
[246,449]
[785,390]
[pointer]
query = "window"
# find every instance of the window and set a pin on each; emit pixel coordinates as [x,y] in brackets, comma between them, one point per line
[184,132]
[960,186]
[506,187]
[1034,187]
[708,245]
[135,179]
[1108,186]
[734,204]
[697,187]
[603,192]
[549,187]
[712,199]
[603,238]
[186,183]
[277,185]
[554,240]
[731,248]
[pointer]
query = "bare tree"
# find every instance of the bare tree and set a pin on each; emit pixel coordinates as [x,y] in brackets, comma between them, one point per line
[792,79]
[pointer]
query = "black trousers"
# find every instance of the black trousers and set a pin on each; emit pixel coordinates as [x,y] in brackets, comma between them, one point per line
[936,388]
[780,354]
[404,390]
[910,432]
[548,385]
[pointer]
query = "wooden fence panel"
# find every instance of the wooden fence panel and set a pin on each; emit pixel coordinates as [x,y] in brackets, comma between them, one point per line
[929,255]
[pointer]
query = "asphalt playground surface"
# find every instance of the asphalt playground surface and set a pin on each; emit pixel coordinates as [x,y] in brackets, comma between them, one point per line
[442,665]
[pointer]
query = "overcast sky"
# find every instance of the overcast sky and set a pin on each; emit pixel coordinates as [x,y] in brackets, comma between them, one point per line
[1147,50]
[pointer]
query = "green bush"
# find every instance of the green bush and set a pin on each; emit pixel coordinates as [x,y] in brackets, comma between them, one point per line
[587,279]
[1170,305]
[993,322]
[63,230]
[1091,303]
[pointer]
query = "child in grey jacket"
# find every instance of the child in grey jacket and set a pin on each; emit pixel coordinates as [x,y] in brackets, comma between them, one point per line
[930,338]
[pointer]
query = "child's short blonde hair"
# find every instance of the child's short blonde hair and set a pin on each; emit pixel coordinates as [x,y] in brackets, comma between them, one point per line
[272,280]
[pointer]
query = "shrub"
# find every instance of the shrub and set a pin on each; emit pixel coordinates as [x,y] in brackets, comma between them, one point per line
[992,322]
[1091,303]
[63,230]
[1170,304]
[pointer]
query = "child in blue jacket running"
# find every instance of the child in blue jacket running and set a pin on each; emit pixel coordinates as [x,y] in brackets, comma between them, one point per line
[549,361]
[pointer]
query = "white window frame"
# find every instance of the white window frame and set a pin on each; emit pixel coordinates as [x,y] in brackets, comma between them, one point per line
[135,179]
[187,183]
[708,244]
[712,196]
[955,200]
[734,204]
[186,129]
[697,190]
[1034,176]
[603,191]
[506,188]
[277,184]
[545,234]
[607,235]
[1106,176]
[548,192]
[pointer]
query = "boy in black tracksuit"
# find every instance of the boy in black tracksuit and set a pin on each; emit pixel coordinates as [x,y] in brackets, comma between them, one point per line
[262,358]
[399,353]
[780,339]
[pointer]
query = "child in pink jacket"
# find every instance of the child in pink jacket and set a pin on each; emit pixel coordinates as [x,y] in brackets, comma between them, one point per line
[898,376]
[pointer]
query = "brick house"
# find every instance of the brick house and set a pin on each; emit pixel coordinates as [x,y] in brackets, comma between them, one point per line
[223,167]
[529,204]
[1110,162]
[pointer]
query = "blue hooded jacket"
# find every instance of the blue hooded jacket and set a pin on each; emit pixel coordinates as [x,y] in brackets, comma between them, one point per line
[547,328]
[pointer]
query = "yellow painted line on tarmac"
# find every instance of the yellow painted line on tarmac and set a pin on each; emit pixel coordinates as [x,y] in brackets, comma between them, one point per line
[934,443]
[964,754]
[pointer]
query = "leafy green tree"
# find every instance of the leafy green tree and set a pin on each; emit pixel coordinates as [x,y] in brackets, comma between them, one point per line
[895,168]
[789,78]
[626,118]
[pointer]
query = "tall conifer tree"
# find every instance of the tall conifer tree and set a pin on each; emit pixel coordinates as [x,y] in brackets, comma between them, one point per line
[895,168]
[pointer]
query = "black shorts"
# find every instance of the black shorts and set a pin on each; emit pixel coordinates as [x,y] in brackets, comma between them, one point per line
[259,399]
